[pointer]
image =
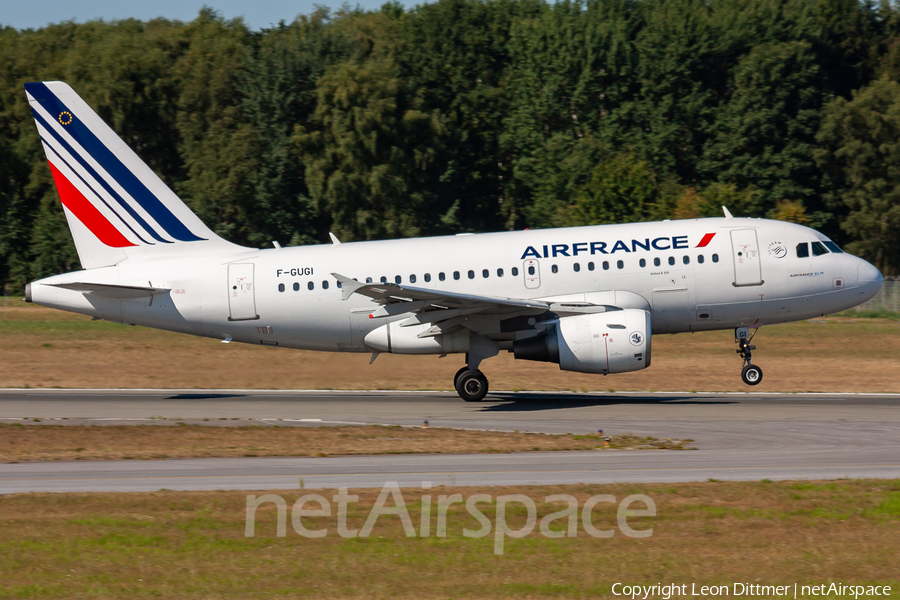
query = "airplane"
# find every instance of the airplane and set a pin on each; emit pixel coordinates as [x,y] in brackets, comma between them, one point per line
[586,298]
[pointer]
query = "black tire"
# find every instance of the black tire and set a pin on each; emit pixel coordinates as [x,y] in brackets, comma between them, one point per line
[472,386]
[752,375]
[458,373]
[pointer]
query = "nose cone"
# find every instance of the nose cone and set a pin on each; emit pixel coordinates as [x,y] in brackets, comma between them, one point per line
[870,280]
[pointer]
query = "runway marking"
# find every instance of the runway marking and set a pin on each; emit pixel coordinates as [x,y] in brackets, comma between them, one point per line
[399,474]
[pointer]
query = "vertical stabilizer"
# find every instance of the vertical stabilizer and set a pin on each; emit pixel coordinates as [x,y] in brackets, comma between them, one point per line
[116,206]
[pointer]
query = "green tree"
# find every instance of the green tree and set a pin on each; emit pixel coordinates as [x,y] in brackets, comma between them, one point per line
[621,189]
[452,55]
[365,151]
[218,146]
[765,135]
[859,154]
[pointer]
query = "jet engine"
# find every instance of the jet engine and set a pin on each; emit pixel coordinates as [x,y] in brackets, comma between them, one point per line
[610,342]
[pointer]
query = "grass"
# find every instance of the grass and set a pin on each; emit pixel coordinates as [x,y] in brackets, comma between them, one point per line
[44,348]
[877,313]
[20,443]
[192,545]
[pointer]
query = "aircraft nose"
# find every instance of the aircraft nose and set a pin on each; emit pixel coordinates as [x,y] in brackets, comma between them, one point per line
[870,279]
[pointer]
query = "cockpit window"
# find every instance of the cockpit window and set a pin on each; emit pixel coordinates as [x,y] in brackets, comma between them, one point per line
[802,250]
[818,249]
[833,247]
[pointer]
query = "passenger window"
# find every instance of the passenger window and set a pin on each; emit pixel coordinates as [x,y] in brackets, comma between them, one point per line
[339,284]
[412,278]
[802,250]
[280,287]
[383,279]
[833,247]
[531,270]
[499,272]
[620,264]
[485,273]
[397,279]
[606,265]
[427,277]
[656,262]
[310,286]
[686,260]
[643,263]
[590,266]
[441,276]
[456,275]
[577,267]
[700,258]
[554,269]
[296,287]
[514,271]
[471,274]
[368,280]
[715,258]
[671,260]
[818,249]
[324,285]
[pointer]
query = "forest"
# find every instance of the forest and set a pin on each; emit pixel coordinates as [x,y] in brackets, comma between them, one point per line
[478,115]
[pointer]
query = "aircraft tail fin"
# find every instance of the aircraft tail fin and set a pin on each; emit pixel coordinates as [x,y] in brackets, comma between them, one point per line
[116,206]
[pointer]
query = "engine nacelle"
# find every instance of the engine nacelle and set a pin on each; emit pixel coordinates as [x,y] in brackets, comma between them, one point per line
[609,342]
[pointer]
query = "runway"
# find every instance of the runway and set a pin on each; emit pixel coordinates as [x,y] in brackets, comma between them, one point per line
[737,436]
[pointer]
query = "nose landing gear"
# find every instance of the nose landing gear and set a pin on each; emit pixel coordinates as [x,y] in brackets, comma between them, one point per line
[750,374]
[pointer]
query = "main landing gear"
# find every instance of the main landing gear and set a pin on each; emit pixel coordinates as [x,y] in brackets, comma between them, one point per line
[751,374]
[470,384]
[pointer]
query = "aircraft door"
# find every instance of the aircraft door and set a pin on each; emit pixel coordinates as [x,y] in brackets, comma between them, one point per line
[745,252]
[241,293]
[532,272]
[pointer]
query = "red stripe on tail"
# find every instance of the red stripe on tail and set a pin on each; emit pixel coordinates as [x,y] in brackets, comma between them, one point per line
[87,213]
[706,240]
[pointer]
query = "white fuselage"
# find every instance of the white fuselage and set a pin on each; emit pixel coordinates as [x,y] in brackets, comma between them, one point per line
[750,275]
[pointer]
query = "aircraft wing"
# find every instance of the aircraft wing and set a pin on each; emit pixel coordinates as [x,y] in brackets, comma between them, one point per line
[436,306]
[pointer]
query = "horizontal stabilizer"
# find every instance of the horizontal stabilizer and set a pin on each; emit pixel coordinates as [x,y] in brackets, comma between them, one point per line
[108,290]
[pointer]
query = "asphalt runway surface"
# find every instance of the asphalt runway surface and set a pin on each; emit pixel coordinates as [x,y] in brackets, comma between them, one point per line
[737,436]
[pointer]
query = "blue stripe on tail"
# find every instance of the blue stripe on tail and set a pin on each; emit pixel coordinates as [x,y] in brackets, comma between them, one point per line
[99,179]
[99,197]
[114,166]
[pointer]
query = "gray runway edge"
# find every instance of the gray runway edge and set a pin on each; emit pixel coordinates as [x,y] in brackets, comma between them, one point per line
[739,437]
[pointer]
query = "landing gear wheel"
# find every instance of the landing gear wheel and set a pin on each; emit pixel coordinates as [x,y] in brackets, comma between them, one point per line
[472,386]
[751,374]
[458,373]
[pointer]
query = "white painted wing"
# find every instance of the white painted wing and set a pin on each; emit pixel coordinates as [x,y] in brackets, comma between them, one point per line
[434,306]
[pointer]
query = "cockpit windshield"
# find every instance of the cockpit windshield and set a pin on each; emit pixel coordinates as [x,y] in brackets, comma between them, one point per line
[818,249]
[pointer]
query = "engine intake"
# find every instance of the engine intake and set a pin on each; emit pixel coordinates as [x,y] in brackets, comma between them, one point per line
[610,342]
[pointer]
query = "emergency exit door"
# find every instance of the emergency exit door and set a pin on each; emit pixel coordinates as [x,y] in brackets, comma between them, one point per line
[241,293]
[745,251]
[532,272]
